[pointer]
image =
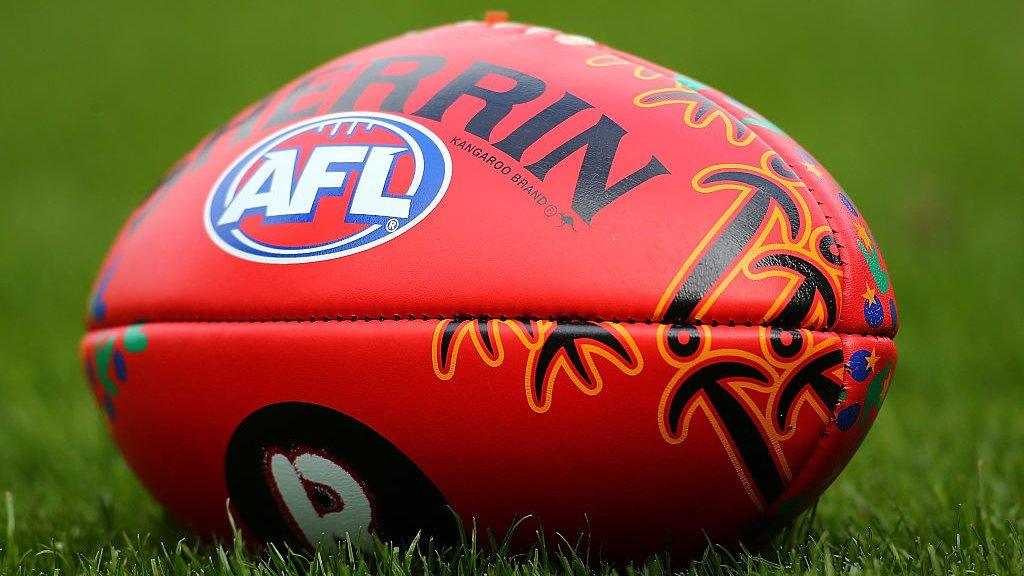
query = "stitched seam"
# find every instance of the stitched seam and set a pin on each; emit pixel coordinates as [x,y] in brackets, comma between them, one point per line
[844,283]
[460,317]
[804,470]
[810,190]
[829,218]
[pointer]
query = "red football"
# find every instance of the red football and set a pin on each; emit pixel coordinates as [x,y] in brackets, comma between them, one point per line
[498,270]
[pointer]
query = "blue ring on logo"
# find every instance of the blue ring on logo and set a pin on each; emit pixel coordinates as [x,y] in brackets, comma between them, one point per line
[433,167]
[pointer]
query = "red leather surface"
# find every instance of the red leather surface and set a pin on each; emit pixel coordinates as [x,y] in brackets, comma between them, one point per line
[598,453]
[741,230]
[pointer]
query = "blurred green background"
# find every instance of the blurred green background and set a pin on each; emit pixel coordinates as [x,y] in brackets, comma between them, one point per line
[917,108]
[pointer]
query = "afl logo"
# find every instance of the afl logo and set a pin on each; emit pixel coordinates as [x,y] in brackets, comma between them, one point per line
[328,187]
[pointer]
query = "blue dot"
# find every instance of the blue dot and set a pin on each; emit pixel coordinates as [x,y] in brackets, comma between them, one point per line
[108,406]
[848,417]
[849,204]
[97,305]
[874,314]
[892,312]
[119,366]
[90,371]
[858,366]
[98,310]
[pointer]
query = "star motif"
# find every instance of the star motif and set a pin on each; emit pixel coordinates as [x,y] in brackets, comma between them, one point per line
[872,360]
[869,294]
[811,168]
[863,235]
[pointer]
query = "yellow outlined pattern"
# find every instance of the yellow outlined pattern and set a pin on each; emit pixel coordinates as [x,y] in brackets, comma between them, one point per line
[679,95]
[444,368]
[777,371]
[735,133]
[533,340]
[804,246]
[589,351]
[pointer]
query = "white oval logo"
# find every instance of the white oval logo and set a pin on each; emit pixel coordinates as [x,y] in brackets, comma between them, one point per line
[328,187]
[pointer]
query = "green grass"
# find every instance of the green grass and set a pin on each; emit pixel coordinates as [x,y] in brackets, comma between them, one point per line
[915,106]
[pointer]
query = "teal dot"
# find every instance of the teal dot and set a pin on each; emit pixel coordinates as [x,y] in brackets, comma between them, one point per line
[134,339]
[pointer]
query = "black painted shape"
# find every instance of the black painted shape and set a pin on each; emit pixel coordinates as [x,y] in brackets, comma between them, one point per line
[447,336]
[497,104]
[782,349]
[813,375]
[815,282]
[731,242]
[825,249]
[592,190]
[743,431]
[566,336]
[485,336]
[679,348]
[402,85]
[516,143]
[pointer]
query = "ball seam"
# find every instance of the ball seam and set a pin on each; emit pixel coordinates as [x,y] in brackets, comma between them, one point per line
[356,318]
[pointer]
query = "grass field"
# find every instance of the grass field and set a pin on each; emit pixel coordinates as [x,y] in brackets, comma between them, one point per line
[915,106]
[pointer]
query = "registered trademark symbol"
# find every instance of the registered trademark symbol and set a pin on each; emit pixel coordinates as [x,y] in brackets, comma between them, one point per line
[550,210]
[392,225]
